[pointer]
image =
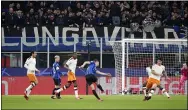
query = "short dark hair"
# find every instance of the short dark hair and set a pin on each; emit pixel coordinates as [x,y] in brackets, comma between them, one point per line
[95,60]
[32,52]
[159,58]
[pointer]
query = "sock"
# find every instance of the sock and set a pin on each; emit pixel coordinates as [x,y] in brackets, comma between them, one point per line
[59,90]
[144,91]
[94,93]
[65,87]
[58,93]
[76,92]
[100,87]
[165,92]
[30,86]
[28,92]
[53,91]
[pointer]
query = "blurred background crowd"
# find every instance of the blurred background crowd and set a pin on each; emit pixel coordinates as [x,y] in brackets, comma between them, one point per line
[92,13]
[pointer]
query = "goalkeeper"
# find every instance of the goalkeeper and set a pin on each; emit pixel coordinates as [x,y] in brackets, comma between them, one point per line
[91,78]
[148,70]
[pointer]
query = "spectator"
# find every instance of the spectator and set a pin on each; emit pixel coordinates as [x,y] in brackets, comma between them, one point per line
[59,20]
[51,20]
[3,18]
[115,13]
[71,19]
[10,19]
[19,20]
[37,20]
[44,20]
[99,20]
[18,7]
[29,6]
[90,22]
[79,20]
[98,12]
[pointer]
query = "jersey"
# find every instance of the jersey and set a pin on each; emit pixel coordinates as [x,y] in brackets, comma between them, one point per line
[91,69]
[72,63]
[30,65]
[159,70]
[56,74]
[148,70]
[184,72]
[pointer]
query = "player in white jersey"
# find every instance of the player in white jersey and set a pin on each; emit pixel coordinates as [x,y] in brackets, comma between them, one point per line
[30,65]
[149,71]
[153,82]
[71,65]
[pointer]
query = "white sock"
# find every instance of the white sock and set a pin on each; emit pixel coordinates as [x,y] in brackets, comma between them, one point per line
[76,93]
[166,93]
[28,92]
[144,91]
[29,87]
[59,90]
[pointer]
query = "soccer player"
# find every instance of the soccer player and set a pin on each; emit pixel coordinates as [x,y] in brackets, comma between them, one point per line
[149,71]
[56,74]
[91,78]
[184,76]
[30,65]
[71,66]
[154,79]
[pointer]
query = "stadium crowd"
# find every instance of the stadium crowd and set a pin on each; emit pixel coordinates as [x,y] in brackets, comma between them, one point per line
[92,13]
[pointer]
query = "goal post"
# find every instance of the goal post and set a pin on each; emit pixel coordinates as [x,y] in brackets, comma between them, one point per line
[132,56]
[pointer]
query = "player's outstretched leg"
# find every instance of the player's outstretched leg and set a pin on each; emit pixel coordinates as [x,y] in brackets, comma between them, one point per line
[100,87]
[64,87]
[163,91]
[95,93]
[29,89]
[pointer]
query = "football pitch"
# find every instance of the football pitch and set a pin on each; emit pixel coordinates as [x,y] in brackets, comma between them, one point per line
[90,102]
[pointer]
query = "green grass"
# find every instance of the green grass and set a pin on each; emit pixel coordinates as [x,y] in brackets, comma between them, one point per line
[90,102]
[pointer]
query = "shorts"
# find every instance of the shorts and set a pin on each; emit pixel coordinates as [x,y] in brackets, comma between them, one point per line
[71,76]
[152,81]
[32,77]
[90,78]
[57,82]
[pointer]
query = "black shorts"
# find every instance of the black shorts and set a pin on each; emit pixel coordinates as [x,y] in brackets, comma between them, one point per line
[90,78]
[57,82]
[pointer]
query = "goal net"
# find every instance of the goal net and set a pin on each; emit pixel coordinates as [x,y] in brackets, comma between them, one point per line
[132,56]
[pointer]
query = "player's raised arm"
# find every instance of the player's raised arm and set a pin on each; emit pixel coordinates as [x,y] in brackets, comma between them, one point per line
[84,64]
[106,74]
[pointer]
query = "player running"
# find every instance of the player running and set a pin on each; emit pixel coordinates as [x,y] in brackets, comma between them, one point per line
[30,65]
[56,74]
[91,78]
[184,76]
[149,71]
[71,66]
[154,79]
